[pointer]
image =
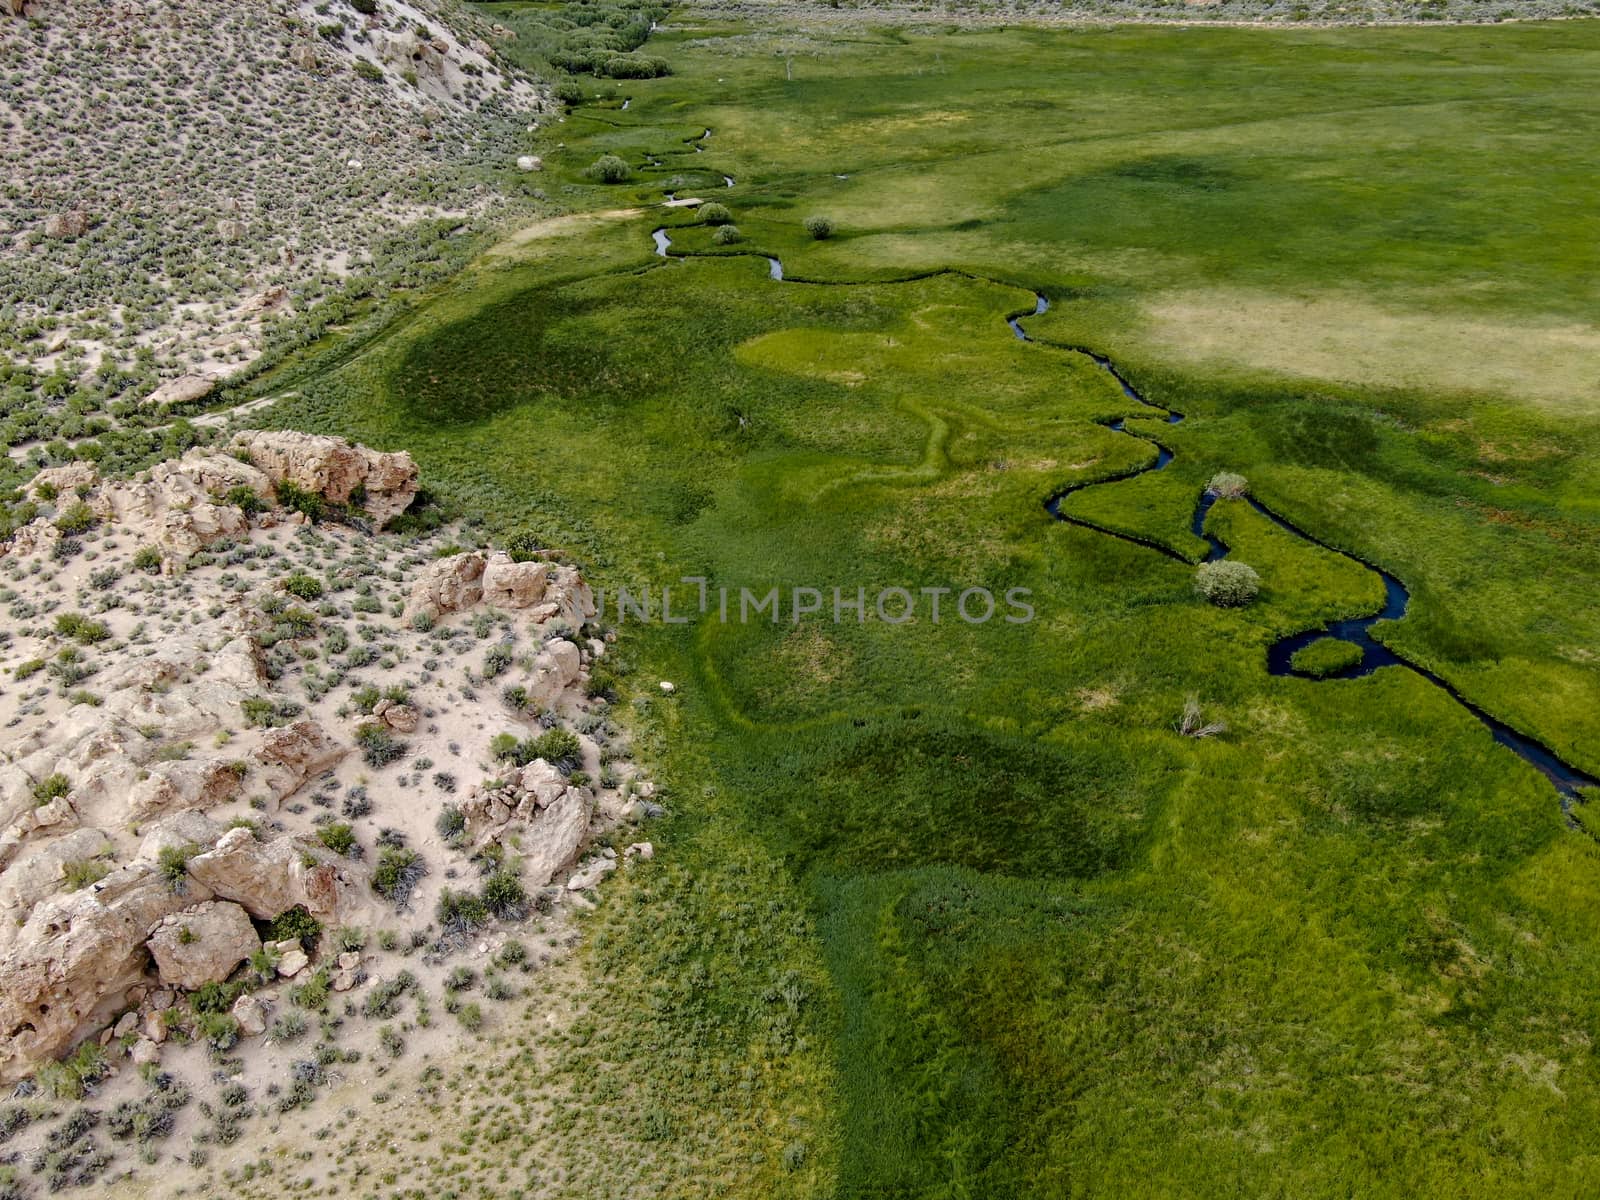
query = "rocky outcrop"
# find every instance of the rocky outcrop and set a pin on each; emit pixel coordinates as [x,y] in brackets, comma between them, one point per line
[295,753]
[64,480]
[382,484]
[402,718]
[270,878]
[186,388]
[202,944]
[555,814]
[514,584]
[546,591]
[67,225]
[181,785]
[448,585]
[73,961]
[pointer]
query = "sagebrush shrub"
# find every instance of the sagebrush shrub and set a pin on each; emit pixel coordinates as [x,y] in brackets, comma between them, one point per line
[1227,584]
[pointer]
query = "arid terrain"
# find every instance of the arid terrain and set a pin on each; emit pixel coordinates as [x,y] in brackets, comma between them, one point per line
[285,800]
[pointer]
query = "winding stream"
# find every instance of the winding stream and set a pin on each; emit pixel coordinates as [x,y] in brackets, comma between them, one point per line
[1357,631]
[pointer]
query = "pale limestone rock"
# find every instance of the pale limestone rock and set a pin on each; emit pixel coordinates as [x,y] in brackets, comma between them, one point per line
[292,754]
[448,585]
[185,389]
[269,878]
[508,584]
[73,961]
[146,1051]
[202,944]
[591,874]
[335,469]
[251,1014]
[555,836]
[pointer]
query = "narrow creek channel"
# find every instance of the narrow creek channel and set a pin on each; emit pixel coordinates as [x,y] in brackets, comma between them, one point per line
[1567,779]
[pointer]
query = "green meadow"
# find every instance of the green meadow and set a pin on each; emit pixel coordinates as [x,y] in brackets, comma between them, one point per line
[947,909]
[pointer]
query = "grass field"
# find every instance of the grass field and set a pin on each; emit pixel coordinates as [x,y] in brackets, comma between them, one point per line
[1009,932]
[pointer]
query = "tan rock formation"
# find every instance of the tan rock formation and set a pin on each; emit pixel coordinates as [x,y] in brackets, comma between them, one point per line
[336,469]
[202,944]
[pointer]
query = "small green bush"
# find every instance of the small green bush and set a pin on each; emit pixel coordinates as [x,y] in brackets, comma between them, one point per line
[298,499]
[715,214]
[303,586]
[460,912]
[77,519]
[81,628]
[378,746]
[560,748]
[338,837]
[727,235]
[608,168]
[451,823]
[397,874]
[369,71]
[147,559]
[81,872]
[504,896]
[244,497]
[295,923]
[819,227]
[51,788]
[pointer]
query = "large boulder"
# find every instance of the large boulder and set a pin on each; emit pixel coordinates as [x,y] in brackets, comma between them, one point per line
[511,584]
[556,835]
[339,471]
[295,753]
[270,878]
[448,585]
[202,944]
[67,225]
[183,390]
[73,961]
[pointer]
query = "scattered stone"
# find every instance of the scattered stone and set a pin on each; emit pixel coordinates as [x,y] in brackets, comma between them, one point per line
[64,226]
[185,389]
[251,1014]
[591,874]
[642,850]
[146,1052]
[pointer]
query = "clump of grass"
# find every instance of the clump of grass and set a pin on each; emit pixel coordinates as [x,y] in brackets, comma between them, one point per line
[1192,722]
[1326,656]
[1228,485]
[397,874]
